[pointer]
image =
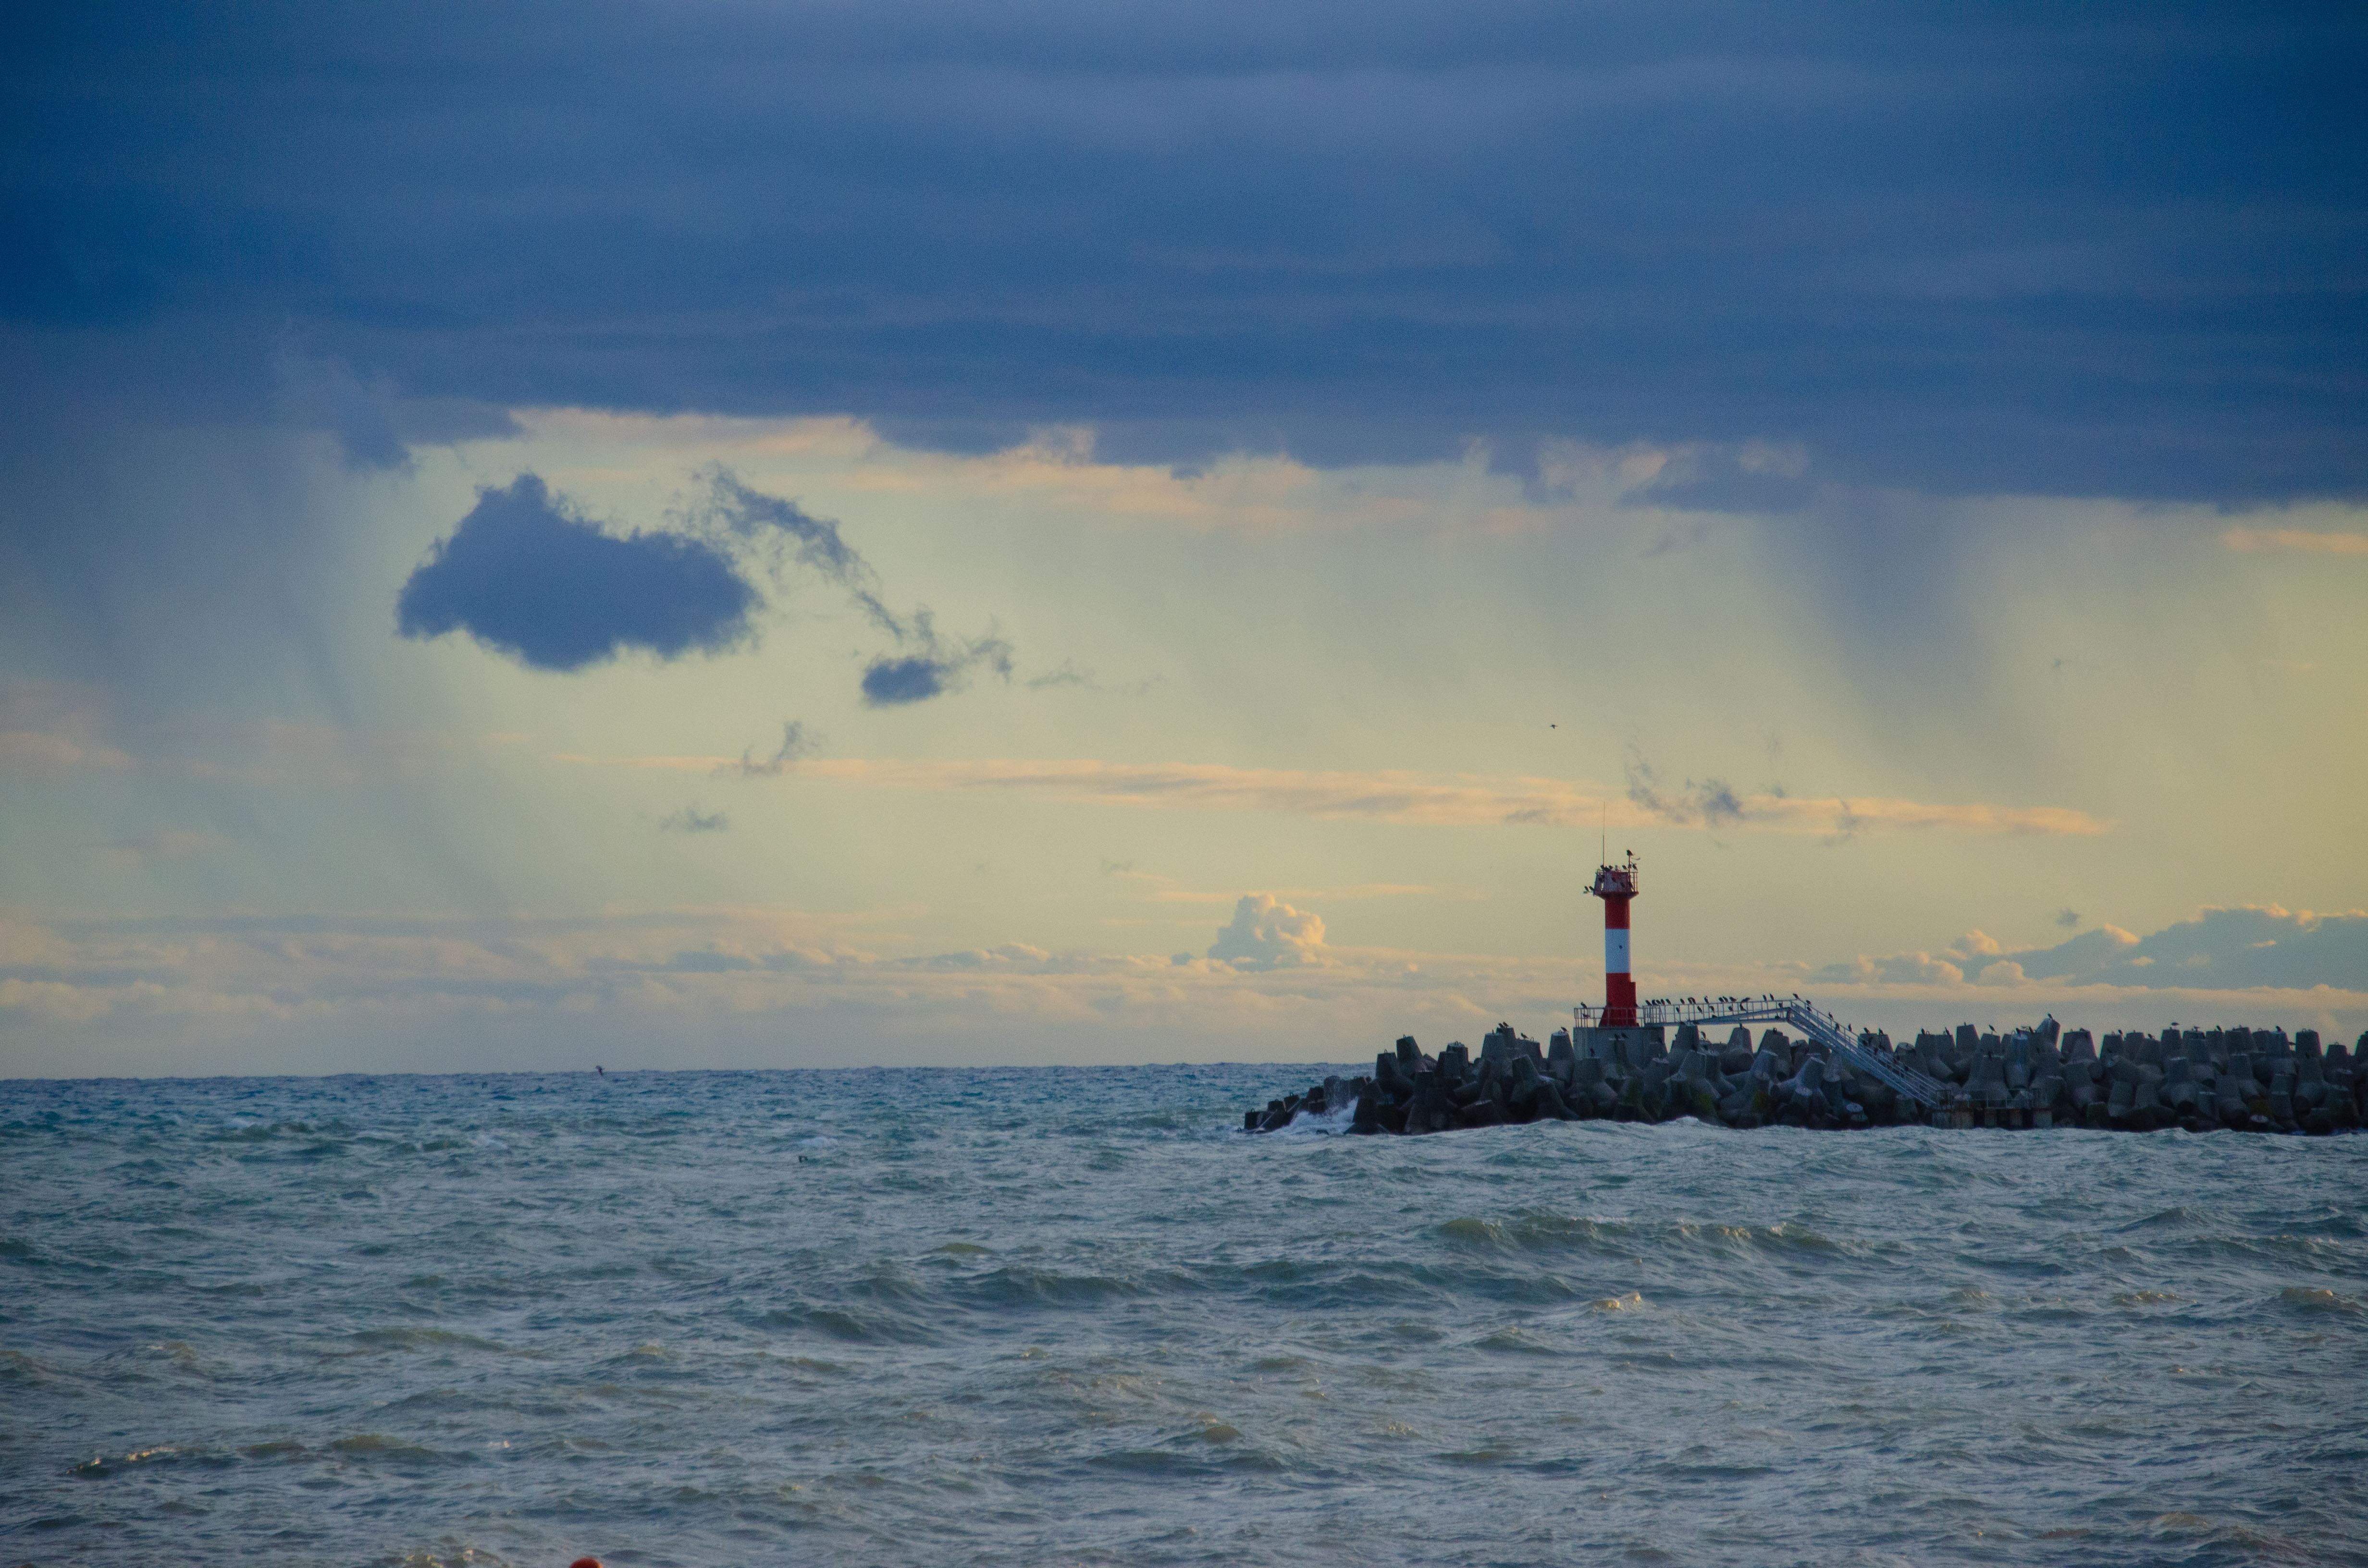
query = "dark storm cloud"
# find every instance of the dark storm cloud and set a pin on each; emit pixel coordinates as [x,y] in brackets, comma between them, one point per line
[2105,248]
[525,574]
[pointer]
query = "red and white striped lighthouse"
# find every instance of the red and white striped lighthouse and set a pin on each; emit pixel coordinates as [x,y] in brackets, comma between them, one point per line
[1615,885]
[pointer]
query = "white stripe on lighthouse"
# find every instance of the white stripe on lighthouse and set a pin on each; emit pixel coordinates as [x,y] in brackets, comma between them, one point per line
[1615,952]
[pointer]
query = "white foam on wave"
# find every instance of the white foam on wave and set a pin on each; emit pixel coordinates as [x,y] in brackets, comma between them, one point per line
[1331,1124]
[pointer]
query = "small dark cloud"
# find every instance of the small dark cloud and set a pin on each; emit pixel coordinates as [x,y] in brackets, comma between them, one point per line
[2067,918]
[526,574]
[1067,675]
[943,665]
[690,819]
[1710,801]
[1717,802]
[890,682]
[772,524]
[797,742]
[928,665]
[1679,538]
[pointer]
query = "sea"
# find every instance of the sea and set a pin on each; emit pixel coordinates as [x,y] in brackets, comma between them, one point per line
[1069,1315]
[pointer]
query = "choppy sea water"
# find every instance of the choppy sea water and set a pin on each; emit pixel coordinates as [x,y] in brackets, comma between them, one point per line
[1054,1316]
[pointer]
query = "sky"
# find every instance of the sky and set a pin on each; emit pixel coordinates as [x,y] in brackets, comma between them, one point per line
[725,534]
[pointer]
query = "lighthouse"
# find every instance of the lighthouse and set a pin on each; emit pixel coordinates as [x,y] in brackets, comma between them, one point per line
[1615,885]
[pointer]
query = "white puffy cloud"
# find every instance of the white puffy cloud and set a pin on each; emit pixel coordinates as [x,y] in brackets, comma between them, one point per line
[1267,934]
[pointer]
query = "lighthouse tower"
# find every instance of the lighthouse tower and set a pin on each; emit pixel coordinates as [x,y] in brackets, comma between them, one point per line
[1615,885]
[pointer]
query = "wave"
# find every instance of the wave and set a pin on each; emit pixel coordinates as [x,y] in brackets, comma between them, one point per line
[2319,1299]
[375,1340]
[1546,1231]
[382,1447]
[854,1327]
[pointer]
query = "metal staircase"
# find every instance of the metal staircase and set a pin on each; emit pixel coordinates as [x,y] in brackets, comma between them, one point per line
[1804,1015]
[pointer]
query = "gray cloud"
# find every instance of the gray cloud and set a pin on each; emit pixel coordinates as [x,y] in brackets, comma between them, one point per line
[1066,674]
[525,573]
[779,529]
[690,819]
[1710,802]
[940,665]
[797,742]
[2219,950]
[2008,248]
[324,394]
[930,664]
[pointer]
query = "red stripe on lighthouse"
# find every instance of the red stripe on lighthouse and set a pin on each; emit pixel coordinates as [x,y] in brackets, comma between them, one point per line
[1619,985]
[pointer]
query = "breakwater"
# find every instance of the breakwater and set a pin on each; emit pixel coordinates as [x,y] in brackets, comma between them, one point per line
[2202,1080]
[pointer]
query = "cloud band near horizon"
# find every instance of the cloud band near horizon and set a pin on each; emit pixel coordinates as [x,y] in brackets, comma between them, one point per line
[316,993]
[1405,798]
